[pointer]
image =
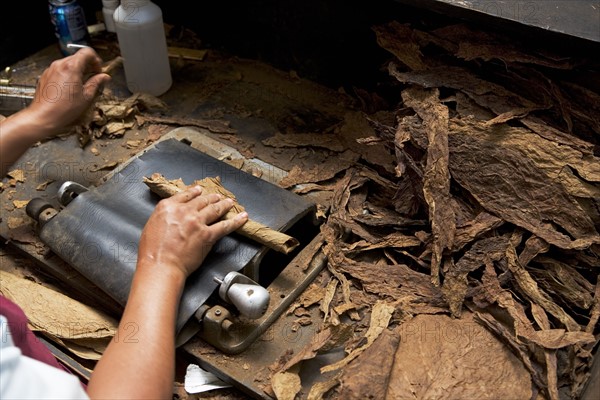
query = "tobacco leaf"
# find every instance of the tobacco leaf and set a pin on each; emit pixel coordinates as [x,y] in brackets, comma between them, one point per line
[558,338]
[328,297]
[212,125]
[487,94]
[398,39]
[393,240]
[557,136]
[552,158]
[550,356]
[377,216]
[346,304]
[563,282]
[595,311]
[508,54]
[533,246]
[82,329]
[510,115]
[584,104]
[471,230]
[286,385]
[508,337]
[490,46]
[414,290]
[313,295]
[436,179]
[319,389]
[495,294]
[482,252]
[530,288]
[511,186]
[356,126]
[441,357]
[381,315]
[322,172]
[310,350]
[327,141]
[368,375]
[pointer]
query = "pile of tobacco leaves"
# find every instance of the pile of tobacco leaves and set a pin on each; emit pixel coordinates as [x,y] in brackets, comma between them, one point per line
[492,207]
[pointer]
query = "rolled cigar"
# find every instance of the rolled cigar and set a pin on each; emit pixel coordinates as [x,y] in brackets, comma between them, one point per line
[256,231]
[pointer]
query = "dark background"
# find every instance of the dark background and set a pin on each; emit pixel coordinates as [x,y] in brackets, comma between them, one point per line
[329,41]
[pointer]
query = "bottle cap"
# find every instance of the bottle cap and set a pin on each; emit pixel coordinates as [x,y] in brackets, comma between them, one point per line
[110,3]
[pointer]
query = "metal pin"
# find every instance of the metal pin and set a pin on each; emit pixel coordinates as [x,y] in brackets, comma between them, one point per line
[76,46]
[217,280]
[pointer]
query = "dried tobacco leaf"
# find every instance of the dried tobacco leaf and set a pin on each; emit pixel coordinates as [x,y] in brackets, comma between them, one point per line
[511,186]
[471,230]
[286,385]
[487,94]
[369,374]
[530,288]
[508,337]
[327,141]
[330,168]
[393,240]
[319,389]
[398,39]
[563,282]
[381,314]
[441,357]
[436,179]
[482,252]
[551,375]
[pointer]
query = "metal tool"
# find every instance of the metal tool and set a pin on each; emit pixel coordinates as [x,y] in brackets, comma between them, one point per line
[68,191]
[251,299]
[76,46]
[15,97]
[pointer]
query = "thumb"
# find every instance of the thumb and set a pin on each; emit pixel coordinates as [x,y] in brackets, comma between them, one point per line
[95,85]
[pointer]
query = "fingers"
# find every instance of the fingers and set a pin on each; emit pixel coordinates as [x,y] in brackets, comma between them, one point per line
[214,210]
[187,195]
[94,85]
[87,60]
[225,227]
[210,208]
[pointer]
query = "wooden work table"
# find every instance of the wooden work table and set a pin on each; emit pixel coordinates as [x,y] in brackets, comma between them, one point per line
[252,100]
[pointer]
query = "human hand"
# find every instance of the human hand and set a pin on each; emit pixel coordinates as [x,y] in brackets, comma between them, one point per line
[66,90]
[183,228]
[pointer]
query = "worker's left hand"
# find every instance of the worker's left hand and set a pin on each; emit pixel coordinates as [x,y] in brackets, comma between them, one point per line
[183,228]
[66,90]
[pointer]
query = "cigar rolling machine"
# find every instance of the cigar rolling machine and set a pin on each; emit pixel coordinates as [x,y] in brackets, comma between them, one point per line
[242,286]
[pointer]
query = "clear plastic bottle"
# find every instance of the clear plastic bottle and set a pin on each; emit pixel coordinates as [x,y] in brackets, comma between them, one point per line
[108,10]
[141,36]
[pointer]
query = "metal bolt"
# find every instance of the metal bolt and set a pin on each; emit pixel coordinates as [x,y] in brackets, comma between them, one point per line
[217,312]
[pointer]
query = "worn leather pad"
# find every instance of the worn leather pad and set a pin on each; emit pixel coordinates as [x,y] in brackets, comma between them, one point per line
[98,232]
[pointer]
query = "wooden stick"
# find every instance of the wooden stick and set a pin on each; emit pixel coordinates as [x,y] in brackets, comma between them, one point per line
[112,64]
[256,231]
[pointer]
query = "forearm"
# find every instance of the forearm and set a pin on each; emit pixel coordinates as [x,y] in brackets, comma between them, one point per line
[140,360]
[18,132]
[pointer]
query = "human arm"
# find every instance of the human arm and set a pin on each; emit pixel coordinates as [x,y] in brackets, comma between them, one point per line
[64,92]
[140,360]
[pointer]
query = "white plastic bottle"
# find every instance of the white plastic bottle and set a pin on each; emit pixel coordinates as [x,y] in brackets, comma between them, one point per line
[108,10]
[141,36]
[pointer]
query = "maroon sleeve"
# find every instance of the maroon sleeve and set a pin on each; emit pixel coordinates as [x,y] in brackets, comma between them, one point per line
[23,337]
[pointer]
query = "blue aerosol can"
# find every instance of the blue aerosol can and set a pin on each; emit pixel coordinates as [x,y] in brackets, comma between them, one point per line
[70,26]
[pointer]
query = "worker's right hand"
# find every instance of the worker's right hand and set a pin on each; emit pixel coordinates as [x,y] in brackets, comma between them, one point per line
[66,90]
[183,228]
